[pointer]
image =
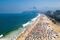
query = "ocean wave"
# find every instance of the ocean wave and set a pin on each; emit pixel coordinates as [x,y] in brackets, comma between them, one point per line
[29,22]
[14,34]
[35,17]
[26,24]
[1,35]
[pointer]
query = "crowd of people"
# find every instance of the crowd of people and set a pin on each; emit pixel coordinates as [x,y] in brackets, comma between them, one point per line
[38,33]
[42,31]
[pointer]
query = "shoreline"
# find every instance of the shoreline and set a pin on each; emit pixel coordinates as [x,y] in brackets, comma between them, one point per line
[29,26]
[14,34]
[42,25]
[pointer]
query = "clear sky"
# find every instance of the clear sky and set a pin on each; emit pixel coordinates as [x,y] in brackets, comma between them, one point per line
[12,6]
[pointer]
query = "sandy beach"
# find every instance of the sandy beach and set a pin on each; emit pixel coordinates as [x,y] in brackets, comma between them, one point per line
[41,29]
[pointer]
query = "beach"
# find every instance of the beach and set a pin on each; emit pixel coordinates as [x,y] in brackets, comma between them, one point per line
[42,29]
[14,34]
[39,28]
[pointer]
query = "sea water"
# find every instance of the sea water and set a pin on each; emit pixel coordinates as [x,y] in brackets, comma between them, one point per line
[10,22]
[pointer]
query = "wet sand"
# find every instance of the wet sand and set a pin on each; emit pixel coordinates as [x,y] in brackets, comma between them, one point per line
[41,29]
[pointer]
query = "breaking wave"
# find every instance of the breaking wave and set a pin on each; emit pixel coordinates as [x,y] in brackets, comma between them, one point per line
[29,22]
[14,34]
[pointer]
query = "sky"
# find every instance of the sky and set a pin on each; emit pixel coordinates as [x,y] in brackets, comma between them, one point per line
[16,6]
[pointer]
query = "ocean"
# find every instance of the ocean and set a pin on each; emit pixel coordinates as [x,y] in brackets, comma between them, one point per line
[12,21]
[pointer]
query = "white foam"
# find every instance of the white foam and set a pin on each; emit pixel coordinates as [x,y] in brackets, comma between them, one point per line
[24,25]
[1,35]
[13,35]
[35,17]
[29,22]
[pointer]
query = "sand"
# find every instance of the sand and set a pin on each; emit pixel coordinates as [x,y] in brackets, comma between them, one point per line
[53,30]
